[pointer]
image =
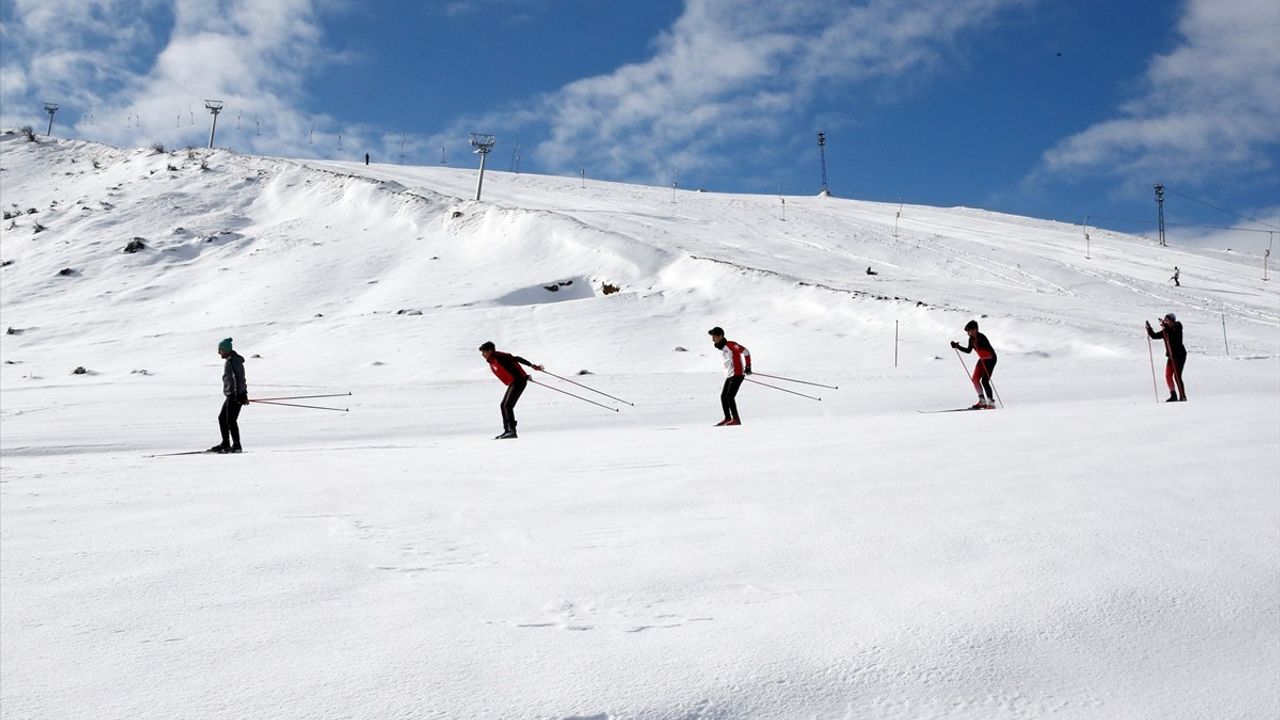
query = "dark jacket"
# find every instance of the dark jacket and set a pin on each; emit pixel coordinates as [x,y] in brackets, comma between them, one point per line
[982,345]
[233,384]
[1171,333]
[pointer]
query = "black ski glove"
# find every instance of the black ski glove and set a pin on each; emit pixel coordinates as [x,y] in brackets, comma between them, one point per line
[955,344]
[243,398]
[747,370]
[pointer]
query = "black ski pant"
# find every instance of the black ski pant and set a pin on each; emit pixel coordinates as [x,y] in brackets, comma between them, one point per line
[227,422]
[728,395]
[509,401]
[1173,376]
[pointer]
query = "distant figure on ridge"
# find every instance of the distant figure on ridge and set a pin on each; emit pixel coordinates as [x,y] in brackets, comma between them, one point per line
[366,158]
[985,366]
[507,367]
[235,395]
[1175,353]
[737,365]
[1176,273]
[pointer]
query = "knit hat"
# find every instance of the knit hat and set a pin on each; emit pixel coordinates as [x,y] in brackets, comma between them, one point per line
[1170,317]
[225,345]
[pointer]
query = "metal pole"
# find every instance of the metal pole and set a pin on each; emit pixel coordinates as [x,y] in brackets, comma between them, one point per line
[302,397]
[1160,212]
[1224,335]
[822,154]
[50,108]
[802,382]
[480,181]
[309,407]
[584,387]
[793,392]
[565,392]
[895,343]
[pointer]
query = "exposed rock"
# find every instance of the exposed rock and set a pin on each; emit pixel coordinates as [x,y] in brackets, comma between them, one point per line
[608,289]
[79,371]
[135,245]
[66,272]
[680,349]
[408,312]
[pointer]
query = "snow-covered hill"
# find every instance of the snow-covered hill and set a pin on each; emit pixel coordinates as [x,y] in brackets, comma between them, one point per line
[1085,552]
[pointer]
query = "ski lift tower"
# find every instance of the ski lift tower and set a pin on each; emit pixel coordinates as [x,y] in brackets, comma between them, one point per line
[483,144]
[50,108]
[822,153]
[215,107]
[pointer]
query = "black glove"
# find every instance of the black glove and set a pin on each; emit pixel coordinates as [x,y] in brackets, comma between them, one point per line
[747,371]
[243,398]
[955,344]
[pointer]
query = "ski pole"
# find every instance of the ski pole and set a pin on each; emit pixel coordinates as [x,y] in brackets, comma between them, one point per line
[1151,354]
[593,402]
[571,382]
[802,382]
[978,387]
[994,391]
[309,407]
[962,364]
[775,387]
[302,397]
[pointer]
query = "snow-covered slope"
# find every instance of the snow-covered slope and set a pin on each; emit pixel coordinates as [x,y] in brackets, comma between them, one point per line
[1083,553]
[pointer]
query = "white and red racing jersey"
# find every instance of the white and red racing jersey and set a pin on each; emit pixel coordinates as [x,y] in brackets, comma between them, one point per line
[737,359]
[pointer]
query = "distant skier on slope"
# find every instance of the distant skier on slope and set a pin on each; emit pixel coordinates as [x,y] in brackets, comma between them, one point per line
[1176,354]
[1176,274]
[235,395]
[985,366]
[737,364]
[507,367]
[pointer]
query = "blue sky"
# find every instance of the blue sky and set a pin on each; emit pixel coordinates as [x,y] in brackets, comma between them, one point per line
[1049,109]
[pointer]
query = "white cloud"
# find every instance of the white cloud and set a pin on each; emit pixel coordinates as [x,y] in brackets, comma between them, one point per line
[139,72]
[737,71]
[1209,107]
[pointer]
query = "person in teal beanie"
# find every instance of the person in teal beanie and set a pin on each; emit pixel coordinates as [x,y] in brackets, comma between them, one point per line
[235,395]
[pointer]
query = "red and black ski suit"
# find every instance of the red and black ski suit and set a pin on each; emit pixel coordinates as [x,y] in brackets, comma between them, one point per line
[1176,357]
[737,362]
[986,364]
[507,367]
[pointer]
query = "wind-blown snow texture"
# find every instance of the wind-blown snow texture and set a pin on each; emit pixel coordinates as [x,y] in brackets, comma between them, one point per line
[1086,552]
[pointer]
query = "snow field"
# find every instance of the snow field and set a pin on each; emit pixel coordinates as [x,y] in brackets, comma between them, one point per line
[1083,553]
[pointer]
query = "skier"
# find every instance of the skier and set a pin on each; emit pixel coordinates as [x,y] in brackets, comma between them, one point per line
[507,367]
[1176,354]
[985,366]
[1176,273]
[737,364]
[235,394]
